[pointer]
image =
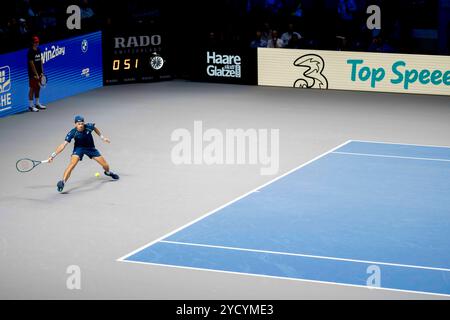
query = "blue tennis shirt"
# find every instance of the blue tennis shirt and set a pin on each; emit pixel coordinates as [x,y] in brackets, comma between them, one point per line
[84,138]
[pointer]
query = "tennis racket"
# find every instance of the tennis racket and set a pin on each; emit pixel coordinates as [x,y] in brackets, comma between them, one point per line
[26,165]
[43,80]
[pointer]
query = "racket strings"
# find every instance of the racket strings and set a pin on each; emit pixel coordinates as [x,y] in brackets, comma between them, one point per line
[24,165]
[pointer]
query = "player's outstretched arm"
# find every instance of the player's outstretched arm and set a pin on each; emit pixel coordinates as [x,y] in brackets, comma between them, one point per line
[58,150]
[97,131]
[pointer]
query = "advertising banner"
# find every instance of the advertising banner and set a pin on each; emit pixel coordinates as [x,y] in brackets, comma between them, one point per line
[399,73]
[136,57]
[72,66]
[225,65]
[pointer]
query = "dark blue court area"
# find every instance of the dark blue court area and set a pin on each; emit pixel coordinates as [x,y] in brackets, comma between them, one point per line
[361,207]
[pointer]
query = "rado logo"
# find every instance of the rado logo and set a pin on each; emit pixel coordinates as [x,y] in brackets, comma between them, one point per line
[137,42]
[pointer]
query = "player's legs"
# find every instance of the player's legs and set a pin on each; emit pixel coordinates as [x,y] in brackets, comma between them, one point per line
[31,94]
[37,93]
[101,161]
[73,163]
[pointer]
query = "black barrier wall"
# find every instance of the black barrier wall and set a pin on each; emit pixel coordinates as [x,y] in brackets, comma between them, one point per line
[136,56]
[223,65]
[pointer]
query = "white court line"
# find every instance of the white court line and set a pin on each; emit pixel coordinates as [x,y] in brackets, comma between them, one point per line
[286,278]
[402,144]
[388,156]
[306,256]
[122,259]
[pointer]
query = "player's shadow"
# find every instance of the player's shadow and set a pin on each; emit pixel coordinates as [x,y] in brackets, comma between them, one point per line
[86,186]
[79,186]
[41,186]
[16,198]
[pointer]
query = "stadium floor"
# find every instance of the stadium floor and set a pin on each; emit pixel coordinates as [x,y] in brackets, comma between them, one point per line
[96,221]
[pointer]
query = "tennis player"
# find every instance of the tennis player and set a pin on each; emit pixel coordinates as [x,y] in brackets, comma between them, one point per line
[35,73]
[84,145]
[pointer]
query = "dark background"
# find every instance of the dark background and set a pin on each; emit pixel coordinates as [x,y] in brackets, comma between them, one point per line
[408,26]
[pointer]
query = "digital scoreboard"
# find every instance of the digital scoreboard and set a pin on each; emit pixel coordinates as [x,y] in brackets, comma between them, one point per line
[134,57]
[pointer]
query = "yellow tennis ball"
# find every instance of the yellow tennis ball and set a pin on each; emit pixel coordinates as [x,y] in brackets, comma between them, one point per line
[97,174]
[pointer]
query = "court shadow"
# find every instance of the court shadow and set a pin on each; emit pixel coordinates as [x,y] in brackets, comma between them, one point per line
[80,186]
[87,186]
[41,186]
[16,198]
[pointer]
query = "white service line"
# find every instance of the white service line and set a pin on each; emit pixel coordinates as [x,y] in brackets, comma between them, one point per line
[402,144]
[306,256]
[123,259]
[388,156]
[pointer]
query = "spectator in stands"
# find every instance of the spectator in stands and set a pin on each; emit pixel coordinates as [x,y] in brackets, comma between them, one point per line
[275,41]
[266,31]
[258,42]
[23,27]
[286,37]
[295,42]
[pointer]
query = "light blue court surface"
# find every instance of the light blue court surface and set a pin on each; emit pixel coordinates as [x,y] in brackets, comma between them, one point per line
[361,205]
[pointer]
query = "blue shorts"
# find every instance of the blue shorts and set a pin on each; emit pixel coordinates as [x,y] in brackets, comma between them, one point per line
[90,152]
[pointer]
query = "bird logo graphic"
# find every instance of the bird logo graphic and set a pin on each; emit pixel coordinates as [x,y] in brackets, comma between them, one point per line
[312,67]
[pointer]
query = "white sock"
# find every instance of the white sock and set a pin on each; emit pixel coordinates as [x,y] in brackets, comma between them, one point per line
[31,103]
[37,102]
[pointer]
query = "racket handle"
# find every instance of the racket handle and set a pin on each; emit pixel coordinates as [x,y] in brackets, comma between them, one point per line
[44,161]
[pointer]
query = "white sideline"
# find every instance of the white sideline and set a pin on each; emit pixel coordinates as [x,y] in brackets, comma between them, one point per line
[388,156]
[230,202]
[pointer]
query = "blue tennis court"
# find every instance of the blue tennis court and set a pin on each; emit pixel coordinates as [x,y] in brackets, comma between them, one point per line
[360,207]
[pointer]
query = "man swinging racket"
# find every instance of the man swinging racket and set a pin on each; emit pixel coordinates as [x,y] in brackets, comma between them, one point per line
[84,145]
